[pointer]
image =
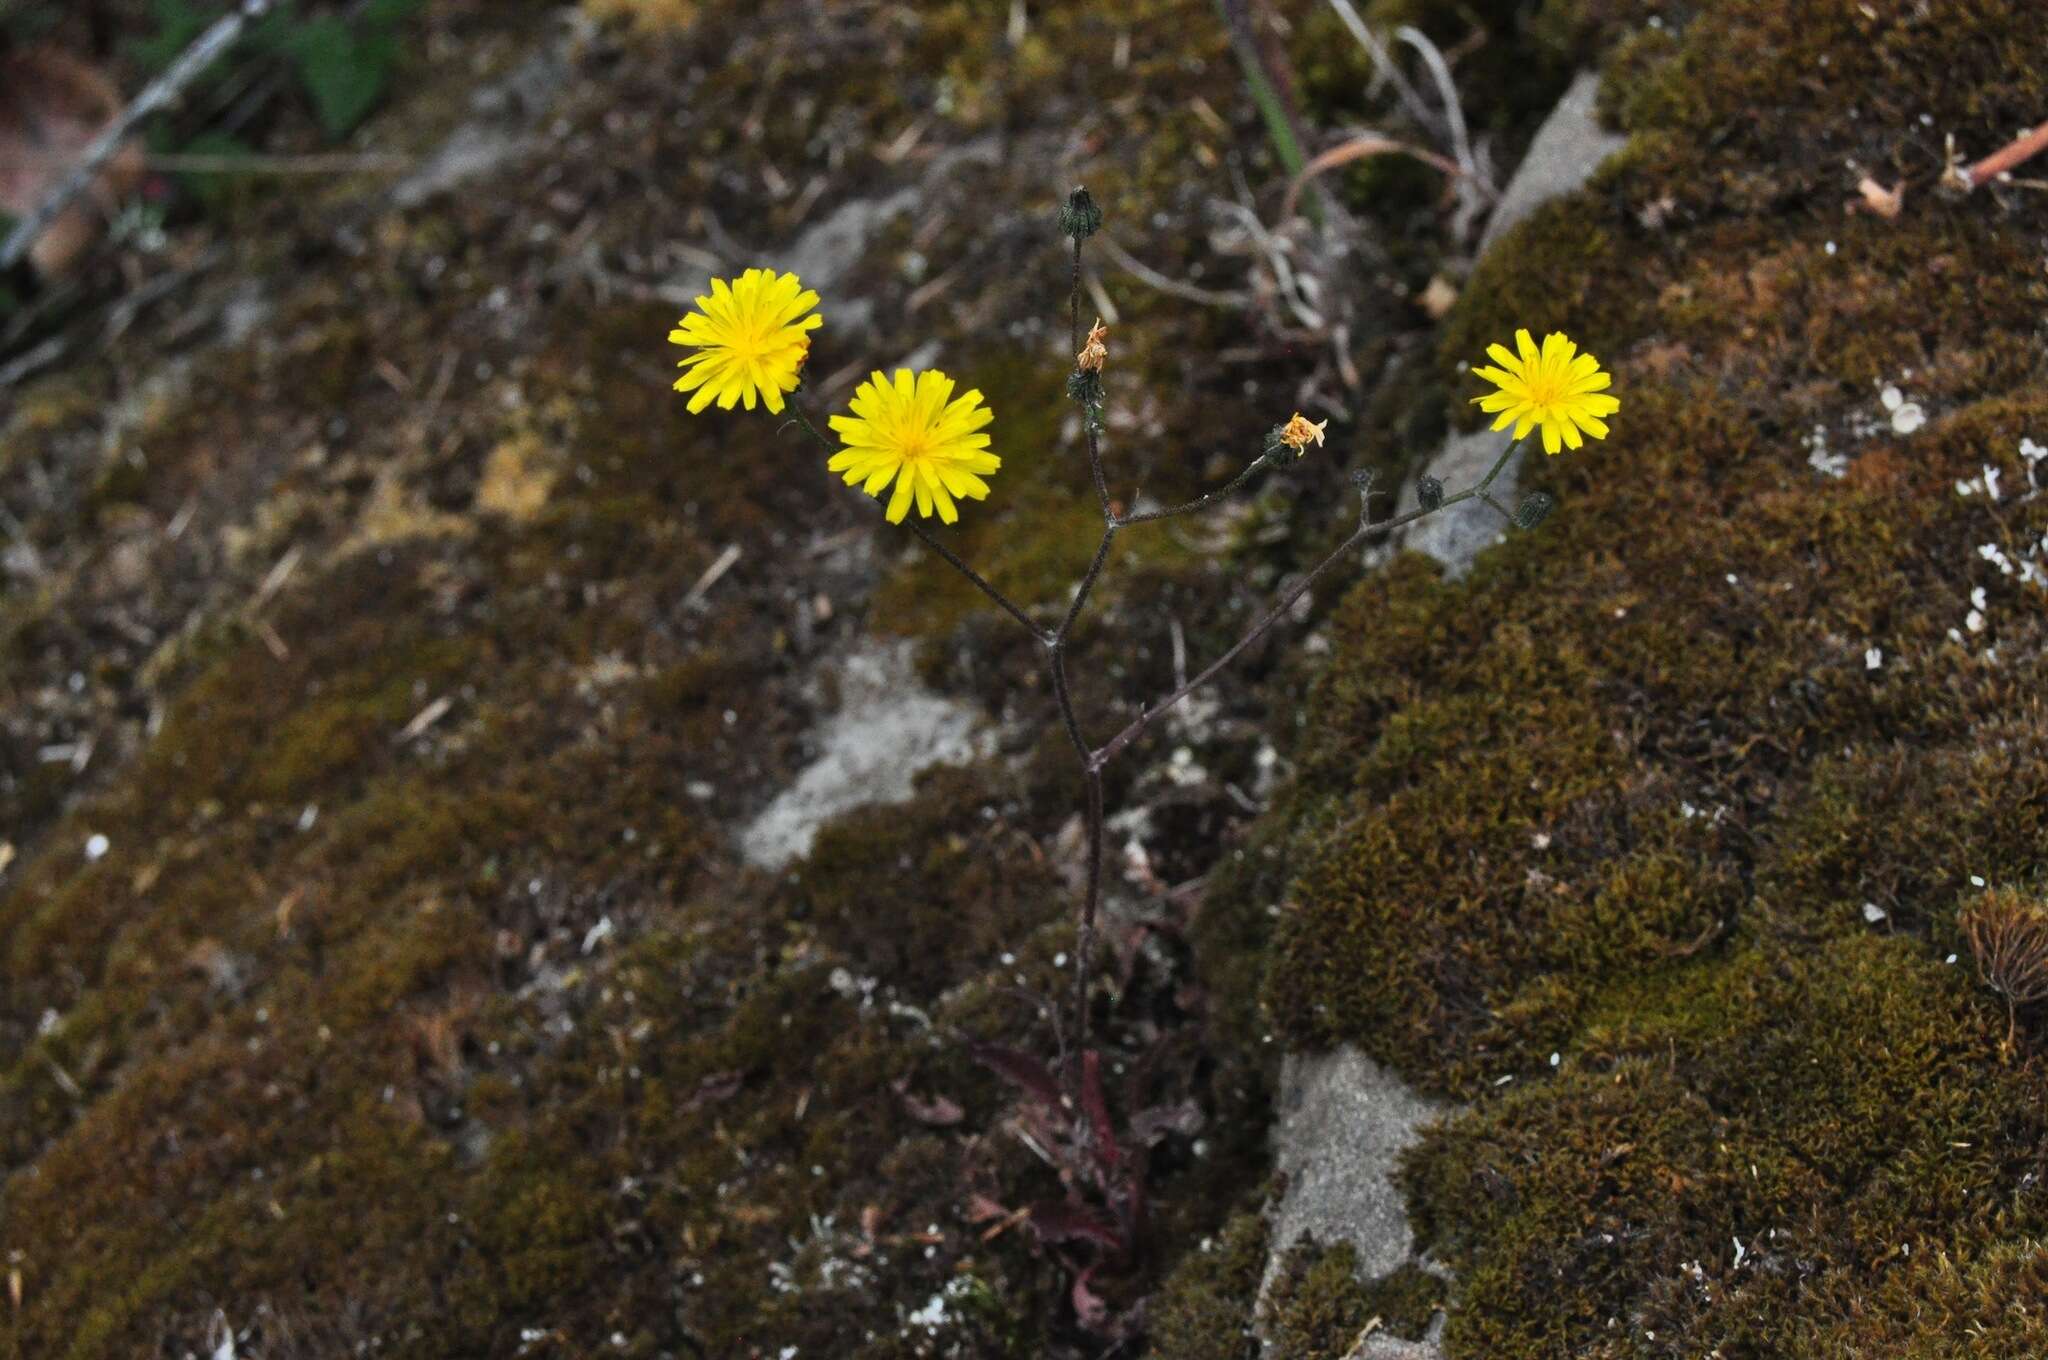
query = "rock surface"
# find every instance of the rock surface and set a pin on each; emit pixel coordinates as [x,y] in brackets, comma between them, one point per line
[887,729]
[1344,1122]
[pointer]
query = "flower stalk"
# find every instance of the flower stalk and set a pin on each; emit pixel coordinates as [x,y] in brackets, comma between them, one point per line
[911,431]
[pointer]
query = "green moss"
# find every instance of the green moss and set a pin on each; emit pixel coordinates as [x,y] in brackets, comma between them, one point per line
[1407,1301]
[1685,788]
[1315,1308]
[1204,1309]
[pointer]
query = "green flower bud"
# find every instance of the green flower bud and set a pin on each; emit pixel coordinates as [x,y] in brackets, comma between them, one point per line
[1430,492]
[1079,217]
[1534,509]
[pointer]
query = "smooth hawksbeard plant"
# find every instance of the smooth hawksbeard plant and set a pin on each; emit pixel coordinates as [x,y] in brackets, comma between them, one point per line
[910,436]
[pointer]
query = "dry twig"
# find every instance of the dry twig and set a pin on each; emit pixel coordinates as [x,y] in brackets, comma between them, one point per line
[2016,152]
[205,49]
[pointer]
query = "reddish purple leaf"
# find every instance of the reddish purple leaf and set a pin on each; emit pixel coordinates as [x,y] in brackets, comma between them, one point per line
[1101,1133]
[1067,1221]
[1022,1071]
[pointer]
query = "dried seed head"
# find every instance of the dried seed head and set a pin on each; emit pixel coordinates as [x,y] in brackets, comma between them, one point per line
[1094,354]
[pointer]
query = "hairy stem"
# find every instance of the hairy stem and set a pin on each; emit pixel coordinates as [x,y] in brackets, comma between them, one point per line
[1206,501]
[1094,572]
[1084,942]
[1366,528]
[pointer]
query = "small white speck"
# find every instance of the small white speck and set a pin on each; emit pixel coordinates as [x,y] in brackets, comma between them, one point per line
[1505,1080]
[1908,418]
[1829,247]
[1951,959]
[1541,840]
[1732,579]
[308,816]
[1873,658]
[1891,398]
[1556,1058]
[96,846]
[1059,960]
[1978,598]
[1873,913]
[1974,621]
[1976,880]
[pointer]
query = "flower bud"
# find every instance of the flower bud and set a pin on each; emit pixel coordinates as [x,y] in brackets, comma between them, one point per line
[1079,217]
[1535,507]
[1430,492]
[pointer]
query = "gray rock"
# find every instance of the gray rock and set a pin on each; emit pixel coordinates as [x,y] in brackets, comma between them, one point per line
[888,727]
[1568,149]
[501,131]
[1344,1121]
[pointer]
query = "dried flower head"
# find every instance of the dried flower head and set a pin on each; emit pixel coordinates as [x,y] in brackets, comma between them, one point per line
[914,432]
[2007,931]
[1554,388]
[749,339]
[1297,433]
[1094,354]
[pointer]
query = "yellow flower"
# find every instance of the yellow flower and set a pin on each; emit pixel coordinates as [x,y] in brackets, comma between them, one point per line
[1298,431]
[1550,389]
[913,430]
[748,341]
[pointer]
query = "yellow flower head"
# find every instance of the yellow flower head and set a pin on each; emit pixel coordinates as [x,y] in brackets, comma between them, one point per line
[914,431]
[1549,388]
[1296,433]
[748,341]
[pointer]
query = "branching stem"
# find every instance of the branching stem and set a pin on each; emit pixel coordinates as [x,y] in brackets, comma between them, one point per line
[1095,759]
